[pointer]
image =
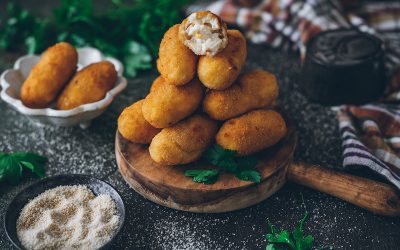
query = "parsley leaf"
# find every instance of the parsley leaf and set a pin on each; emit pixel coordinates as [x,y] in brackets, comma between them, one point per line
[206,176]
[12,170]
[136,58]
[36,41]
[247,162]
[249,175]
[270,247]
[158,16]
[294,240]
[12,165]
[301,241]
[241,167]
[216,154]
[281,237]
[19,25]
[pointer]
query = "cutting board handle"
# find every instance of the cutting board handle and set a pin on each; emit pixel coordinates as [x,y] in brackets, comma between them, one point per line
[374,196]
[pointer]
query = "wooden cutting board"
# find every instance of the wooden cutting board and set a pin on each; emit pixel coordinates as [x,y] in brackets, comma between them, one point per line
[167,185]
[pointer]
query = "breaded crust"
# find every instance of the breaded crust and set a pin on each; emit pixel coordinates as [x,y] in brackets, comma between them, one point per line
[88,85]
[133,126]
[176,62]
[252,90]
[221,70]
[184,142]
[157,83]
[49,75]
[167,104]
[252,132]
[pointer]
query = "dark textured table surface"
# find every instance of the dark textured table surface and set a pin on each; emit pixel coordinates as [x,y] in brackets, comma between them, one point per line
[334,224]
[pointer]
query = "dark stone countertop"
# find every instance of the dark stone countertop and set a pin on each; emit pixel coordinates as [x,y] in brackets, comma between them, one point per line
[332,222]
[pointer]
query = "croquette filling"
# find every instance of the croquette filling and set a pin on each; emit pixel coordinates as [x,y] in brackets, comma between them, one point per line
[204,35]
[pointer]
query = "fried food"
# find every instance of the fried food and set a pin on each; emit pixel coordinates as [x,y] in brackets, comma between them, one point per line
[176,62]
[204,33]
[133,127]
[49,75]
[157,83]
[252,132]
[184,142]
[167,104]
[88,85]
[221,70]
[252,90]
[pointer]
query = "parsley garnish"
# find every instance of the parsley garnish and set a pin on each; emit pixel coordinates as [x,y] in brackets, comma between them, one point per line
[249,175]
[241,167]
[206,176]
[295,240]
[12,165]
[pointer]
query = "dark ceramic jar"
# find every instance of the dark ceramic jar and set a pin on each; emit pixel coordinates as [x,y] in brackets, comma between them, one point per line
[343,66]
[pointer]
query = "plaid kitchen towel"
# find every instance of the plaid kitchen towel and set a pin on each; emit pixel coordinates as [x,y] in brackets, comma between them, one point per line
[370,133]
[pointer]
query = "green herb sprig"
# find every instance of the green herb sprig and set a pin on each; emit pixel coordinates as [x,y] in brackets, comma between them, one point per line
[295,240]
[129,30]
[12,166]
[241,167]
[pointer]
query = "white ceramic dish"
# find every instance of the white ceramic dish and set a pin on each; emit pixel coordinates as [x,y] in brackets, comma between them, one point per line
[12,79]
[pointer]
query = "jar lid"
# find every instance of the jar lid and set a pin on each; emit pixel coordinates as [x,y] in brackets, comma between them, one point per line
[343,47]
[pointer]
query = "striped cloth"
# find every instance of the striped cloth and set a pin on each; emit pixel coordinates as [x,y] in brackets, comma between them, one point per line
[370,133]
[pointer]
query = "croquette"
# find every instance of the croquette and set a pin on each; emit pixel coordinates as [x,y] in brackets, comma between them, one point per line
[133,127]
[221,70]
[252,90]
[88,85]
[55,67]
[184,142]
[167,104]
[176,62]
[252,132]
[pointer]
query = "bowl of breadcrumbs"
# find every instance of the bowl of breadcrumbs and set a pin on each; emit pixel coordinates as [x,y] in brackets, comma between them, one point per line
[65,212]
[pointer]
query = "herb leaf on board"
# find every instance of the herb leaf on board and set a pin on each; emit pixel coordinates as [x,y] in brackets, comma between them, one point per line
[241,167]
[249,175]
[216,154]
[206,176]
[247,162]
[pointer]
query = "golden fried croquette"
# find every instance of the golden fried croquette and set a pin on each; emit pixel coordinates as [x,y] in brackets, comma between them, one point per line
[221,70]
[49,75]
[176,62]
[184,142]
[252,90]
[157,83]
[133,127]
[168,104]
[90,84]
[252,132]
[204,33]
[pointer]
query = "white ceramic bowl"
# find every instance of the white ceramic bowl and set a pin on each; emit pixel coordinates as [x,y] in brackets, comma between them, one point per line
[12,79]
